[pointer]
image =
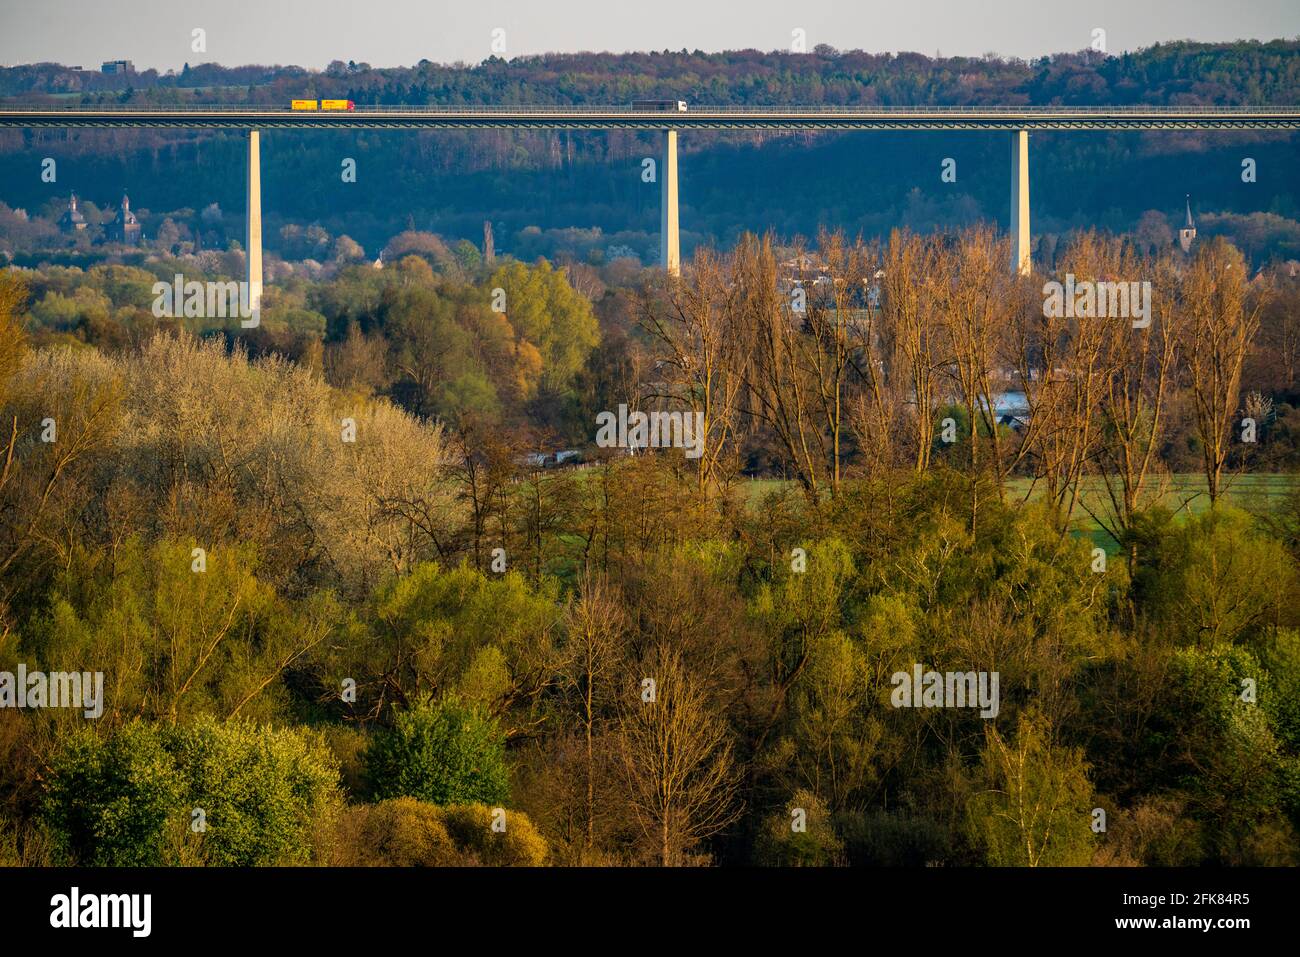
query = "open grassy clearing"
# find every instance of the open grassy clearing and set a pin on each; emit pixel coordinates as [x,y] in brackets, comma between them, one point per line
[1184,493]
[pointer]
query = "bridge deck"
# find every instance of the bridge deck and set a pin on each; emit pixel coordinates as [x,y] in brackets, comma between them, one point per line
[708,118]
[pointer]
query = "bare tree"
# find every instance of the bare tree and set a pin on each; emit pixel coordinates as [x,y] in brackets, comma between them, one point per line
[1278,345]
[834,303]
[875,402]
[1140,365]
[908,301]
[1061,363]
[973,294]
[489,462]
[544,506]
[778,392]
[595,623]
[677,760]
[702,361]
[1220,318]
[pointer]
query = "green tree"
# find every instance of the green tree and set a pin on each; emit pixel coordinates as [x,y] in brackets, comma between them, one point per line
[109,799]
[488,639]
[1216,578]
[130,798]
[201,642]
[1212,738]
[443,752]
[262,790]
[546,311]
[1035,810]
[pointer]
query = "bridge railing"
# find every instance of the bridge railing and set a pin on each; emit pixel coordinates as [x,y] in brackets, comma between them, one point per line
[624,110]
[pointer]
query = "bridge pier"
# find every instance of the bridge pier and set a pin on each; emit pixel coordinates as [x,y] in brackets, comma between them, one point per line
[1021,262]
[253,233]
[669,251]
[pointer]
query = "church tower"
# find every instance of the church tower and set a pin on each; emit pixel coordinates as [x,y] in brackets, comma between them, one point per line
[1188,232]
[72,221]
[125,228]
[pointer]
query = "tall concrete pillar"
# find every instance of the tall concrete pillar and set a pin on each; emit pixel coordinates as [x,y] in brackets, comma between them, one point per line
[669,251]
[1020,258]
[253,236]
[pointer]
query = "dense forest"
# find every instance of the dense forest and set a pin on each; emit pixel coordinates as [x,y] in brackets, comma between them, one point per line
[346,612]
[581,194]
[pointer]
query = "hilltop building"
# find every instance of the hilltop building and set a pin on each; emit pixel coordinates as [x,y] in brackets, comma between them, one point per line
[72,221]
[124,228]
[117,66]
[1188,232]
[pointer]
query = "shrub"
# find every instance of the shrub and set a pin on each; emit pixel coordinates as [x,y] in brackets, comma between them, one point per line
[404,832]
[896,838]
[128,798]
[444,753]
[261,789]
[109,799]
[817,845]
[23,845]
[470,827]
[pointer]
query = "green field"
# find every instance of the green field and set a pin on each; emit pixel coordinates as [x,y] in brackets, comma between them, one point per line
[1184,493]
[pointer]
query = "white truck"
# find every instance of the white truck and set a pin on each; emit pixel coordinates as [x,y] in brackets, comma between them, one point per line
[660,106]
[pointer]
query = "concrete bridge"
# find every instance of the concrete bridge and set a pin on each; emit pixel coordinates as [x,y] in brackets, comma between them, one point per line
[1019,121]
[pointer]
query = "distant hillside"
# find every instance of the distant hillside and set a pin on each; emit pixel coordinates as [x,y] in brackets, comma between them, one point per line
[1242,72]
[450,182]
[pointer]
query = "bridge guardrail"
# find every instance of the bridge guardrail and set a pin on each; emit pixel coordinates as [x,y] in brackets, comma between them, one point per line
[623,110]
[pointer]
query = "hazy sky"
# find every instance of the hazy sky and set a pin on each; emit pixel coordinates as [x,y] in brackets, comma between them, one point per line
[157,33]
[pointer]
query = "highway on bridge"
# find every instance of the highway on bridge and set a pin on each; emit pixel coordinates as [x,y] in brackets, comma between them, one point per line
[1020,121]
[625,117]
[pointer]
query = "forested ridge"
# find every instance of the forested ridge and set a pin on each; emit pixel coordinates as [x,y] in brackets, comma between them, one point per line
[1180,72]
[450,182]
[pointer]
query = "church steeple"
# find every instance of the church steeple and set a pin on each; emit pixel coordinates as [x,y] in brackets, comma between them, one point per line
[72,220]
[125,228]
[1188,232]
